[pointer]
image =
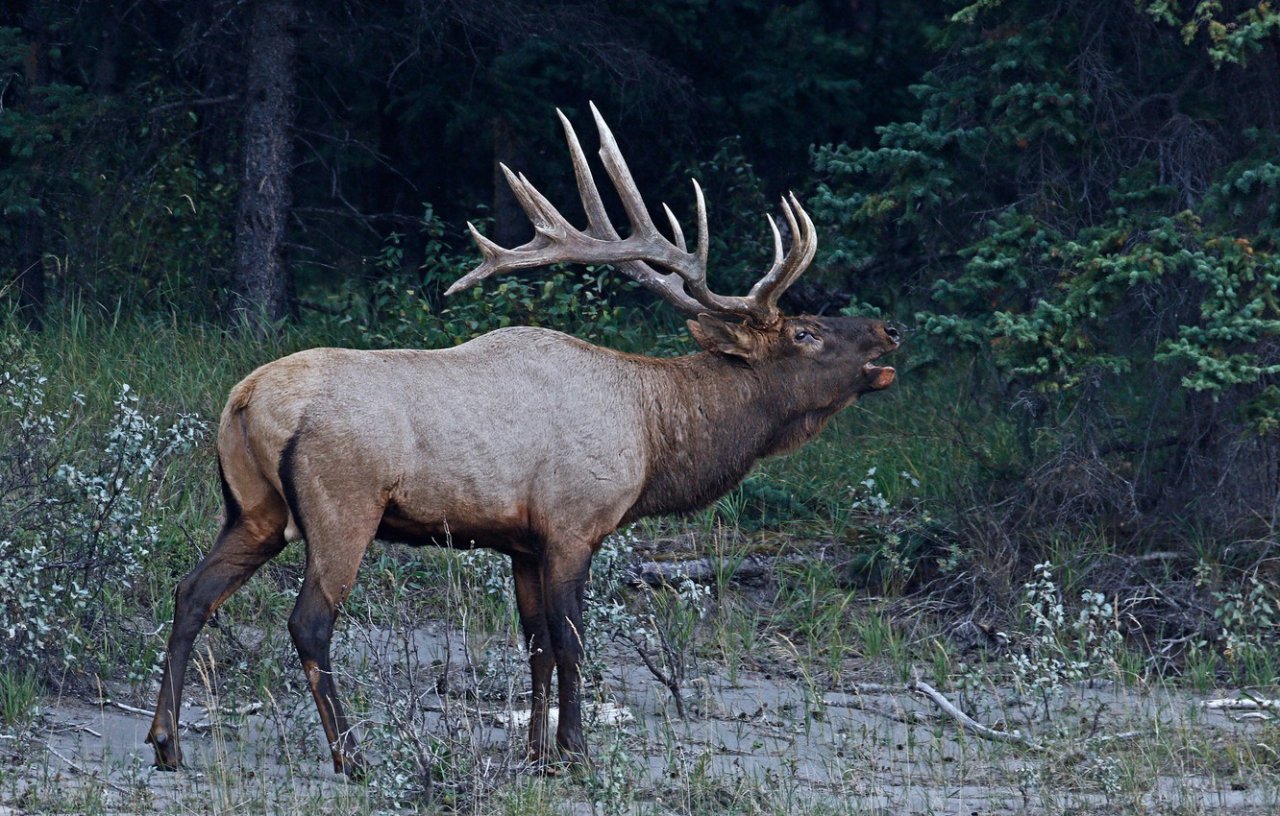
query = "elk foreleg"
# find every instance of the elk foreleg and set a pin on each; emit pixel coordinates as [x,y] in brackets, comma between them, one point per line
[564,578]
[533,621]
[245,543]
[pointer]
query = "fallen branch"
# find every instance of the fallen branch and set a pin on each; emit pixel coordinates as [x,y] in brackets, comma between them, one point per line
[899,714]
[73,766]
[106,701]
[876,688]
[202,726]
[1102,739]
[667,679]
[967,722]
[1241,704]
[1160,555]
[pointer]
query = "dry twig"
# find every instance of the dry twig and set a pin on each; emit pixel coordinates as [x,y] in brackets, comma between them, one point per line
[967,722]
[84,772]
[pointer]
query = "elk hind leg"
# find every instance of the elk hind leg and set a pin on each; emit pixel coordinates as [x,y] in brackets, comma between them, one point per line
[336,543]
[247,541]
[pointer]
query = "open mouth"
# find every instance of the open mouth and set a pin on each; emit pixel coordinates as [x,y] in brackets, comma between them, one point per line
[878,377]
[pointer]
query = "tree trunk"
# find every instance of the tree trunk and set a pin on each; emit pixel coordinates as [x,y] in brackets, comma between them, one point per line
[261,276]
[510,224]
[30,258]
[29,226]
[106,67]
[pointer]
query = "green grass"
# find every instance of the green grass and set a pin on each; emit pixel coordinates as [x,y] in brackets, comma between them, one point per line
[880,642]
[19,696]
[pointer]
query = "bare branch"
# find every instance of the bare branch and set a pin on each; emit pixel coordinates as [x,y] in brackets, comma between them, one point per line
[968,723]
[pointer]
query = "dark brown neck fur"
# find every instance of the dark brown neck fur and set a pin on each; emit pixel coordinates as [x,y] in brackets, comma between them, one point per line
[715,417]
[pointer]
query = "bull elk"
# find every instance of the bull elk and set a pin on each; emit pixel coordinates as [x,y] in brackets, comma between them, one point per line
[524,440]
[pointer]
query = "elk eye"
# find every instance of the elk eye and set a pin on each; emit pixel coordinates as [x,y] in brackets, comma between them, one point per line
[801,336]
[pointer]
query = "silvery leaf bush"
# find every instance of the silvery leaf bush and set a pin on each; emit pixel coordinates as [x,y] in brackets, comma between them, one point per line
[77,519]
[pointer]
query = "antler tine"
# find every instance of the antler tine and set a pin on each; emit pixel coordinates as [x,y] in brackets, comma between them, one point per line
[487,248]
[534,204]
[808,241]
[623,182]
[553,223]
[675,227]
[704,240]
[601,226]
[777,241]
[786,269]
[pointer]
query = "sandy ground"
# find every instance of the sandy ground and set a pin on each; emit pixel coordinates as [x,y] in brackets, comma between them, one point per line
[750,736]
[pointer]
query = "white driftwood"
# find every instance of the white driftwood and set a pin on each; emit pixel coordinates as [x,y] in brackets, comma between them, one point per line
[967,722]
[1241,704]
[124,707]
[605,714]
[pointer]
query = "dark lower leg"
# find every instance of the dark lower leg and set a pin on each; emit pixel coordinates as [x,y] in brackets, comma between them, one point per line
[234,558]
[564,578]
[541,657]
[311,626]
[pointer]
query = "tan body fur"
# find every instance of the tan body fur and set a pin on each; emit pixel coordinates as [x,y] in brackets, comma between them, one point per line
[473,441]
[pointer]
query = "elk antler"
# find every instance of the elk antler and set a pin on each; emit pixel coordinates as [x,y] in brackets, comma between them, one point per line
[685,284]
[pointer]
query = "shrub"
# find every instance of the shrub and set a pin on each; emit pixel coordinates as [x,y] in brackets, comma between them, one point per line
[75,525]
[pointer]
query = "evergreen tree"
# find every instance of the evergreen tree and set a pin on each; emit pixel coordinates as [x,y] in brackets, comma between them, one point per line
[1090,196]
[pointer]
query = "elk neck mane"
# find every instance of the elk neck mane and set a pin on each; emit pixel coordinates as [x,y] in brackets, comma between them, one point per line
[709,419]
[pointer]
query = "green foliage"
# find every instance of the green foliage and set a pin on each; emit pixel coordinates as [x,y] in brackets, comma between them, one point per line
[40,128]
[740,241]
[129,211]
[1099,229]
[38,131]
[168,240]
[19,695]
[1229,35]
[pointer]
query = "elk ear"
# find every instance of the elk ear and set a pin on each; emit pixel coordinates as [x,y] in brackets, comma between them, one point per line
[732,339]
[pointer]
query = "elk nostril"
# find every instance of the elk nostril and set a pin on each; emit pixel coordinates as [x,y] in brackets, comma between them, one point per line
[892,332]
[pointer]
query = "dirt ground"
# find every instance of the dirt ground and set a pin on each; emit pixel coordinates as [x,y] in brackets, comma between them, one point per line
[753,741]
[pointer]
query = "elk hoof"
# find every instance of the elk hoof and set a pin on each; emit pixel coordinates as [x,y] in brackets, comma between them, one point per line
[168,754]
[353,765]
[571,756]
